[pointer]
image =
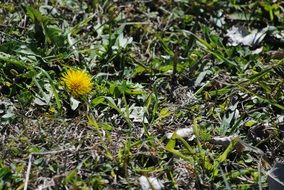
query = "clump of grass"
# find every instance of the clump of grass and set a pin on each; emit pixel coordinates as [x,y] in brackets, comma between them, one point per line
[157,93]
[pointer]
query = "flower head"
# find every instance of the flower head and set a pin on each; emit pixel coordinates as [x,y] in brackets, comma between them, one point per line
[78,82]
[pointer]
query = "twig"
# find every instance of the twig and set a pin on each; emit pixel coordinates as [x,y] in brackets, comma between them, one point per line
[133,23]
[174,74]
[53,151]
[46,153]
[28,172]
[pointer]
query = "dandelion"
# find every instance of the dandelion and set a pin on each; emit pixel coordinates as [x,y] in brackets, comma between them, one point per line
[77,82]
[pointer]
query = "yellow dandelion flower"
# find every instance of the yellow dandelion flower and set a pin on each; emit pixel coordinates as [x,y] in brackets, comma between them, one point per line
[77,82]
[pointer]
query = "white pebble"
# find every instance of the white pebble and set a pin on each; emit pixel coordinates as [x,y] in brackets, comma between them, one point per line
[150,183]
